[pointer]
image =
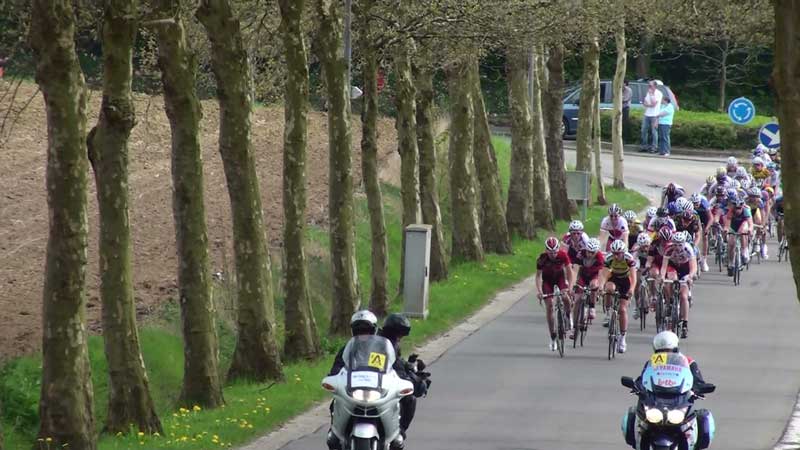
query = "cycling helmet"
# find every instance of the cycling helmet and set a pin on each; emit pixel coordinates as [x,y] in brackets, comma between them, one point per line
[618,246]
[666,341]
[741,172]
[662,212]
[738,201]
[711,180]
[679,237]
[736,185]
[754,192]
[670,188]
[720,191]
[773,151]
[721,177]
[758,161]
[651,212]
[697,198]
[688,207]
[643,239]
[732,162]
[552,244]
[363,322]
[630,216]
[396,326]
[665,233]
[721,171]
[772,166]
[683,202]
[673,208]
[745,183]
[593,246]
[575,225]
[760,150]
[614,210]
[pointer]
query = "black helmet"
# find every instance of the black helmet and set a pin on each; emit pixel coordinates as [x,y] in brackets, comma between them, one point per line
[396,326]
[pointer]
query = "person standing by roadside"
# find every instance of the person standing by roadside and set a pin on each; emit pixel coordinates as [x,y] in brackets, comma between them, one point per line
[627,95]
[665,117]
[652,104]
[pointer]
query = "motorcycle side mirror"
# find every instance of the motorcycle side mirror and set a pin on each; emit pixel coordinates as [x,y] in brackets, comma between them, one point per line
[706,388]
[628,382]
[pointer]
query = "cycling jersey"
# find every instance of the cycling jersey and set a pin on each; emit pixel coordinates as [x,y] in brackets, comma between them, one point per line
[736,220]
[615,228]
[552,269]
[760,175]
[659,222]
[575,246]
[657,250]
[679,254]
[641,254]
[779,205]
[691,225]
[635,230]
[589,267]
[620,268]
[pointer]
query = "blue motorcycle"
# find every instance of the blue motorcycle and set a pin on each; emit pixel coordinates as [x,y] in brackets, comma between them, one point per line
[665,417]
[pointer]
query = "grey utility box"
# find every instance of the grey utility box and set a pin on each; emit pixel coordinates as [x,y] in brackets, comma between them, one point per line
[415,270]
[579,187]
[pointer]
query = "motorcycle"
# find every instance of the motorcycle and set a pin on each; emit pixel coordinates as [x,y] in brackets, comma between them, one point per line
[367,393]
[665,417]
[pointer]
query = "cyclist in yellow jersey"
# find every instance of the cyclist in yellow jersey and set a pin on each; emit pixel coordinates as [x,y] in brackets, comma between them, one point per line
[619,275]
[759,171]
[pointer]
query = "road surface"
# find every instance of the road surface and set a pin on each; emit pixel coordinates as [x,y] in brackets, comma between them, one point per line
[502,389]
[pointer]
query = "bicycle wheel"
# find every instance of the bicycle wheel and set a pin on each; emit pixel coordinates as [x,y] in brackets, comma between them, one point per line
[560,327]
[720,256]
[676,309]
[612,335]
[578,322]
[659,314]
[641,304]
[584,326]
[737,265]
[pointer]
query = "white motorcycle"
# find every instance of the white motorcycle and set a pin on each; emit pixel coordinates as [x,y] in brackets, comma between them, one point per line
[367,393]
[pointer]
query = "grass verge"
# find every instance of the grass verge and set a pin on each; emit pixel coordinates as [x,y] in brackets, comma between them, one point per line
[254,409]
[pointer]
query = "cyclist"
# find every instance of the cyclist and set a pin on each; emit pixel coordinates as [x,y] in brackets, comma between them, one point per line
[553,268]
[742,176]
[575,240]
[731,166]
[614,226]
[590,261]
[722,179]
[775,155]
[655,256]
[774,180]
[680,263]
[648,217]
[757,207]
[703,210]
[706,189]
[762,152]
[689,221]
[640,251]
[671,193]
[759,171]
[662,219]
[778,209]
[619,275]
[740,220]
[634,227]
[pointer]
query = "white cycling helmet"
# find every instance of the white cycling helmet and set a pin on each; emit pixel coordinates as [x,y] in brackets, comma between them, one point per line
[679,237]
[614,209]
[618,246]
[363,322]
[651,212]
[666,341]
[576,225]
[593,245]
[760,149]
[682,203]
[630,216]
[697,197]
[732,161]
[644,239]
[758,161]
[741,172]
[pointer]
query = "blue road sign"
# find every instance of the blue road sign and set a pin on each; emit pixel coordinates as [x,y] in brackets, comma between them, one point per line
[770,135]
[741,111]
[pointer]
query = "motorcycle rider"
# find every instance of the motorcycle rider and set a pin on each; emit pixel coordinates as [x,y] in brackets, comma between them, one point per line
[667,342]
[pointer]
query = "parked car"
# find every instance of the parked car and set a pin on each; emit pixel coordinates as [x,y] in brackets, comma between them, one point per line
[572,98]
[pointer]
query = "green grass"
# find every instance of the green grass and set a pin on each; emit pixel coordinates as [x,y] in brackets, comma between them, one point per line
[254,409]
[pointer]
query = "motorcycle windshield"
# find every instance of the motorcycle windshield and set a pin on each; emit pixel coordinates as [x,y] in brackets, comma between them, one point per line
[369,353]
[667,374]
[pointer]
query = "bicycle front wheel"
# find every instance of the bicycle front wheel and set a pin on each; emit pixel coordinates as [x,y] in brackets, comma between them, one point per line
[612,335]
[561,331]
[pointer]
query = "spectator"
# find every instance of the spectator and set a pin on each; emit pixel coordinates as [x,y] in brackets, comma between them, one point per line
[627,95]
[652,104]
[665,125]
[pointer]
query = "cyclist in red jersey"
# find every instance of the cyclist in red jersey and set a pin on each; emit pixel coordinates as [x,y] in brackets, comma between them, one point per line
[553,268]
[590,262]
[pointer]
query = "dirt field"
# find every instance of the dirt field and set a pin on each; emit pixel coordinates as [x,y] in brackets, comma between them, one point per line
[23,202]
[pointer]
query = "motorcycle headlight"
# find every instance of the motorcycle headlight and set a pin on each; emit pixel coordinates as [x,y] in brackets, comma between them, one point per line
[676,416]
[654,415]
[366,396]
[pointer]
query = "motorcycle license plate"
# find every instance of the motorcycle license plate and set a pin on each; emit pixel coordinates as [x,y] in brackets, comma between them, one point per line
[364,380]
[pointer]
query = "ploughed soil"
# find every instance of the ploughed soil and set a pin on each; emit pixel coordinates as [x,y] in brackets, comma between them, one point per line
[24,213]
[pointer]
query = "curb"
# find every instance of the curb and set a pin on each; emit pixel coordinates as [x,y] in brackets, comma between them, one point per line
[318,416]
[791,435]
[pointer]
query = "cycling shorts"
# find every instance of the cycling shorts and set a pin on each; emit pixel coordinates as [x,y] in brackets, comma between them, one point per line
[623,285]
[547,285]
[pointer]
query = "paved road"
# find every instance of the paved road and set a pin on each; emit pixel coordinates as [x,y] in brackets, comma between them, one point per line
[502,389]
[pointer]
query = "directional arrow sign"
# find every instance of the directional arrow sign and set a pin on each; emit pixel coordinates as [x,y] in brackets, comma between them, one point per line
[770,135]
[741,111]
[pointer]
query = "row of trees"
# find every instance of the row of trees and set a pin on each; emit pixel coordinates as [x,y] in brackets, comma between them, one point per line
[418,41]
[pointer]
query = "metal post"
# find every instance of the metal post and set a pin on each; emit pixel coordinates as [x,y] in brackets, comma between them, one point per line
[348,46]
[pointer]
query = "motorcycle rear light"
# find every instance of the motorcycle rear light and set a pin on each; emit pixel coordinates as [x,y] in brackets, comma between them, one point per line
[328,387]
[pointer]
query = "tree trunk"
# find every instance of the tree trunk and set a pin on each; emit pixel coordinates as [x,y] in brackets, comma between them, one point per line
[494,230]
[586,109]
[428,192]
[643,59]
[519,211]
[598,164]
[340,194]
[542,202]
[65,406]
[406,124]
[723,74]
[617,146]
[201,383]
[786,79]
[553,107]
[256,356]
[129,400]
[466,232]
[301,339]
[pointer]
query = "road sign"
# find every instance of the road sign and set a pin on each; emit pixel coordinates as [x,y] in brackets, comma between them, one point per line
[770,135]
[741,111]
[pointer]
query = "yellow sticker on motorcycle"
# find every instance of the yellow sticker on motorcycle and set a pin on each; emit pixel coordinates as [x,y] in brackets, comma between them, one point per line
[658,359]
[377,360]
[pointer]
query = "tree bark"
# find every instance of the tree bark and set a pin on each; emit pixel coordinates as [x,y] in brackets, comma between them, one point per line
[586,109]
[406,124]
[466,231]
[494,230]
[340,194]
[65,406]
[429,194]
[552,104]
[617,146]
[786,79]
[596,143]
[201,383]
[379,294]
[129,400]
[723,74]
[256,356]
[519,212]
[301,338]
[643,59]
[542,202]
